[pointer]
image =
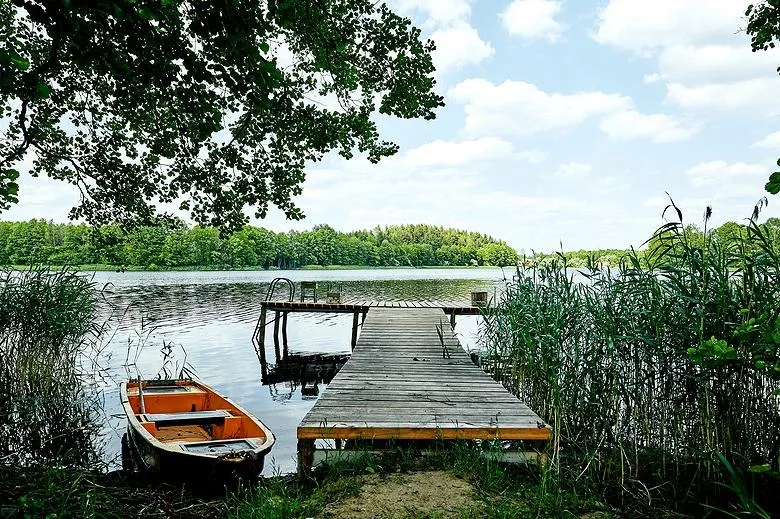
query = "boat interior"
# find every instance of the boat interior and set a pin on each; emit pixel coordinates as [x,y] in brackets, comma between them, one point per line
[186,413]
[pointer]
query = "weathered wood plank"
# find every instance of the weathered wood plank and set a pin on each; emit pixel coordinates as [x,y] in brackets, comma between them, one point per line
[385,431]
[445,415]
[409,378]
[411,393]
[492,405]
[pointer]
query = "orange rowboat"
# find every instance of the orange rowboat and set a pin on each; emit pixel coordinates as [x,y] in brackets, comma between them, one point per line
[185,428]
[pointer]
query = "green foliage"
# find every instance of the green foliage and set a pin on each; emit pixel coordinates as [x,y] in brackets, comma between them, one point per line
[187,102]
[47,410]
[164,246]
[60,492]
[746,505]
[581,258]
[646,371]
[764,29]
[728,235]
[712,353]
[272,500]
[9,188]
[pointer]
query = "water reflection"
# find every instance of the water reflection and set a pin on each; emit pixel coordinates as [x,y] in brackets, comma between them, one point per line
[209,319]
[305,371]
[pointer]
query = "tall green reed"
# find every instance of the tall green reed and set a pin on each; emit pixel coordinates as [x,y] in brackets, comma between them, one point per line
[647,372]
[48,346]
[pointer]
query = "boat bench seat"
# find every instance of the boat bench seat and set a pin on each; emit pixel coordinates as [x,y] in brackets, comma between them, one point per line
[188,416]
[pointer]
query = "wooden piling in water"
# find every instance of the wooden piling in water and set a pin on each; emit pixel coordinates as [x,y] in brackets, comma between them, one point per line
[261,342]
[277,316]
[354,329]
[284,333]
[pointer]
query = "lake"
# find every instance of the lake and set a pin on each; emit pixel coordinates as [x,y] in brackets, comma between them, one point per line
[205,320]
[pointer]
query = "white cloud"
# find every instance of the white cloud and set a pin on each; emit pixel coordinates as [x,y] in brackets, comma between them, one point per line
[533,19]
[532,156]
[631,125]
[436,182]
[612,184]
[700,65]
[573,170]
[41,197]
[726,180]
[459,45]
[719,172]
[644,27]
[758,96]
[453,153]
[437,12]
[703,54]
[533,209]
[771,141]
[519,108]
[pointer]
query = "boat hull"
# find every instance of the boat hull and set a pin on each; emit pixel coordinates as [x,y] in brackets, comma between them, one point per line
[184,429]
[150,458]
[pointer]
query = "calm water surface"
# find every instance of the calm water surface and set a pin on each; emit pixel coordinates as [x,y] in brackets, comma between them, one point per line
[206,319]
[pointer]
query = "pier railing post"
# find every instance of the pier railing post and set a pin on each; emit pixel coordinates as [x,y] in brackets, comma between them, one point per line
[354,329]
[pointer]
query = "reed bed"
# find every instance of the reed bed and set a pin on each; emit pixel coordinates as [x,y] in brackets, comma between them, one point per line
[48,342]
[650,372]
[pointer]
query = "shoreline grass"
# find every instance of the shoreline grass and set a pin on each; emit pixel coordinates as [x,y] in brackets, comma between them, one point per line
[658,376]
[498,491]
[48,348]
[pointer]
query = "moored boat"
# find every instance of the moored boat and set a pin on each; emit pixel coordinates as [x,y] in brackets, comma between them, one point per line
[185,428]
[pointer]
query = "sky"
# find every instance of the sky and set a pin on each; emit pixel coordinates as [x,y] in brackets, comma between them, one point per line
[566,123]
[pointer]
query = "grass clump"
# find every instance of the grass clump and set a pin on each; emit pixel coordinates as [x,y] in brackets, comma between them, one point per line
[497,490]
[49,409]
[277,499]
[647,372]
[48,343]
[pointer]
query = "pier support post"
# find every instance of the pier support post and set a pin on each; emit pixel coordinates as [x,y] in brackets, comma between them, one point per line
[305,457]
[284,334]
[261,344]
[452,320]
[354,329]
[277,315]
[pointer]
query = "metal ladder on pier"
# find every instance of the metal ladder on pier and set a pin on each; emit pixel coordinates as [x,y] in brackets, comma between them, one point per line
[261,323]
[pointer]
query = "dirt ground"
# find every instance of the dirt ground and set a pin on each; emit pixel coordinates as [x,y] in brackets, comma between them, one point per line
[427,494]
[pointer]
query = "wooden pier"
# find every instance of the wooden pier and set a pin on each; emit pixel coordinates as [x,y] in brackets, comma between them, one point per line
[410,379]
[357,307]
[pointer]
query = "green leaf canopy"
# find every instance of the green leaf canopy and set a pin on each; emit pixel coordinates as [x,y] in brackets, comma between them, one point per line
[212,105]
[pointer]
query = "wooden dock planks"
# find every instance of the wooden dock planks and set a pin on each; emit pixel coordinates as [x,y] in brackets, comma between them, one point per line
[409,378]
[353,306]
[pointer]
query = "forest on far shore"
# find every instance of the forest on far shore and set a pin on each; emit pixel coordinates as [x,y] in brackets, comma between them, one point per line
[728,235]
[176,245]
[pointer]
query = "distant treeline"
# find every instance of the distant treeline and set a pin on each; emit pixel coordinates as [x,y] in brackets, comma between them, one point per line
[728,234]
[177,245]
